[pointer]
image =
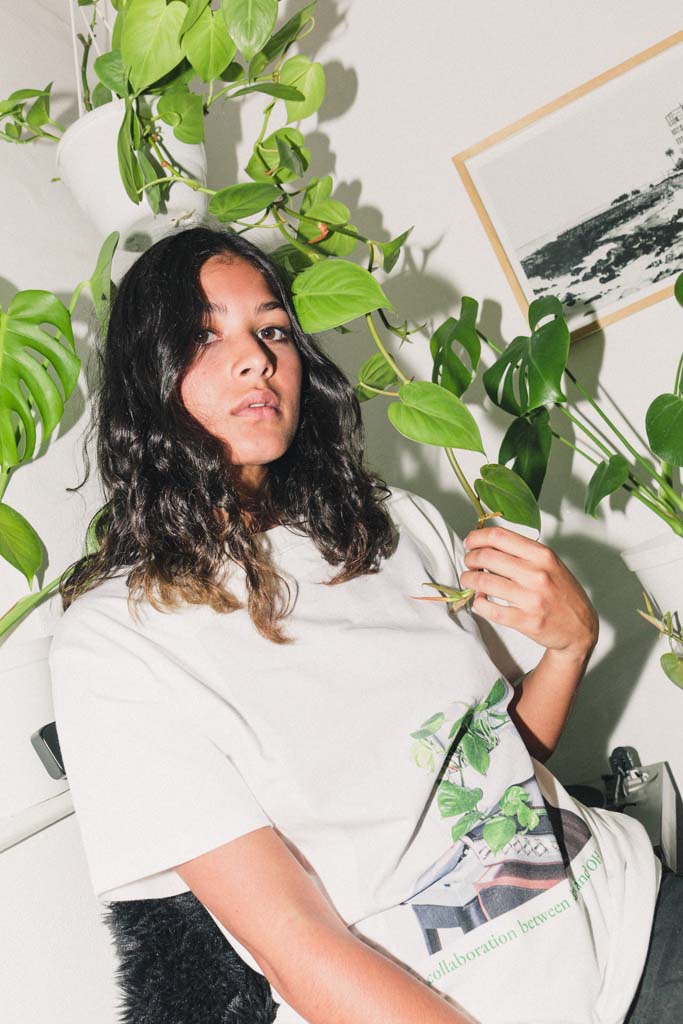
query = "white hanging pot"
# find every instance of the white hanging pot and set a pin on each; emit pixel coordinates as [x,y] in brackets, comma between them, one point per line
[658,564]
[25,707]
[87,163]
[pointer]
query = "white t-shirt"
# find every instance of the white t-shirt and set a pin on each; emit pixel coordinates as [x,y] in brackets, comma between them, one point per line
[379,744]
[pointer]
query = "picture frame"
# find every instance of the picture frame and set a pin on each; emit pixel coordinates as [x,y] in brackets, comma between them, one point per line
[583,197]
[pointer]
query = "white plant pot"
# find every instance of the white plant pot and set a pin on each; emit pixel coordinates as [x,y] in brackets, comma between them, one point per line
[87,163]
[25,707]
[658,564]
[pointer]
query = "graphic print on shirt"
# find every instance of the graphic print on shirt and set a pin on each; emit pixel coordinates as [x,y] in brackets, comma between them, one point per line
[506,844]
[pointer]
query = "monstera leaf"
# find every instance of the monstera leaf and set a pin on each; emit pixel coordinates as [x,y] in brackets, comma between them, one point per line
[28,393]
[528,374]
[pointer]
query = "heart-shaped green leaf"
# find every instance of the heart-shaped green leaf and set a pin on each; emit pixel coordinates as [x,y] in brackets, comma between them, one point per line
[309,78]
[429,414]
[326,214]
[392,250]
[673,667]
[111,72]
[183,110]
[607,478]
[149,39]
[376,372]
[208,46]
[250,23]
[664,426]
[265,163]
[242,200]
[453,799]
[506,493]
[19,542]
[528,441]
[282,39]
[334,292]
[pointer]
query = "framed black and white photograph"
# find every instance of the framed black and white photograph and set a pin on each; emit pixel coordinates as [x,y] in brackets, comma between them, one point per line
[583,198]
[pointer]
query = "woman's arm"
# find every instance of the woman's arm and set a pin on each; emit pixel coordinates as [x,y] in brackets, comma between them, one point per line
[259,891]
[547,604]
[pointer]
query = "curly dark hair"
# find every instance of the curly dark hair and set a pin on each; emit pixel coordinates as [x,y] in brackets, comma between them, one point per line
[172,508]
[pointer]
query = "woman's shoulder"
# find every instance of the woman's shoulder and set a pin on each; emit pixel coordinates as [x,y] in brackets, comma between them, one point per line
[422,519]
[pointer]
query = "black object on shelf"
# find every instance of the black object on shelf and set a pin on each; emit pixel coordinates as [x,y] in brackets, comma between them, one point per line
[46,744]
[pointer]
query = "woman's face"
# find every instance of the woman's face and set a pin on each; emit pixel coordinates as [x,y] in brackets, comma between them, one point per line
[247,356]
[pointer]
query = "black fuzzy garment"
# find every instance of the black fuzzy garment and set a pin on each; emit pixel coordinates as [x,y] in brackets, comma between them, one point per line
[175,966]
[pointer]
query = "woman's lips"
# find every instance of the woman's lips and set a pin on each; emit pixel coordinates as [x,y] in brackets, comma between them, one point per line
[264,412]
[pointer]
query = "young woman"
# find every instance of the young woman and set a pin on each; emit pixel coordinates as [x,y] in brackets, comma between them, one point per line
[252,706]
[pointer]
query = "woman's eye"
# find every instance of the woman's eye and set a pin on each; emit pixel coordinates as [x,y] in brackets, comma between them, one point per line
[275,333]
[204,335]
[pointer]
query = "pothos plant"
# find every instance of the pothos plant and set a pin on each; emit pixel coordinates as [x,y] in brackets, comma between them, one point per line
[172,63]
[39,370]
[158,49]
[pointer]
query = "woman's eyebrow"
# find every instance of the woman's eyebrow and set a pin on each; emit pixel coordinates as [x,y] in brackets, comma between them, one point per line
[263,307]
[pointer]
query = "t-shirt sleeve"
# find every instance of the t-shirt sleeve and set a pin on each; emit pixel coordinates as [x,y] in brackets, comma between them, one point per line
[150,788]
[513,653]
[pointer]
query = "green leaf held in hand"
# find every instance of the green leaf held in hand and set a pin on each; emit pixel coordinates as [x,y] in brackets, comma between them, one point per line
[506,494]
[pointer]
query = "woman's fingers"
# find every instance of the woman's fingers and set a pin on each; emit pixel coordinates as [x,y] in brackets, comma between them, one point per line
[507,541]
[546,602]
[510,566]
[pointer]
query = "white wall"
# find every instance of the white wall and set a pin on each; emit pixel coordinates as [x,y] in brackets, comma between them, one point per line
[409,87]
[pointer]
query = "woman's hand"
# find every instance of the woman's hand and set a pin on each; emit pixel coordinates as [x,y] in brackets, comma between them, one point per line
[546,602]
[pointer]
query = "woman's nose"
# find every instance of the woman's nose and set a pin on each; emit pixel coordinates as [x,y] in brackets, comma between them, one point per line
[254,358]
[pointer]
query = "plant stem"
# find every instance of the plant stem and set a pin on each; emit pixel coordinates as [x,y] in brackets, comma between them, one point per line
[282,225]
[380,345]
[266,118]
[193,184]
[669,491]
[340,229]
[464,483]
[678,380]
[378,391]
[596,440]
[86,44]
